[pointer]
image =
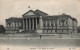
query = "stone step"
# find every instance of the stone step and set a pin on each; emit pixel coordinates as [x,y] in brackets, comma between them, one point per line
[28,31]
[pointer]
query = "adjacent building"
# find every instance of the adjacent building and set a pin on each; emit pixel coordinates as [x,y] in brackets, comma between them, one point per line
[40,22]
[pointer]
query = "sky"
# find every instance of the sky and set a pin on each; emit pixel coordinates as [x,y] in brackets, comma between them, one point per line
[16,8]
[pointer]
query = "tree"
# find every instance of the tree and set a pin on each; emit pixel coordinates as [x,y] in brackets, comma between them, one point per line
[78,29]
[2,29]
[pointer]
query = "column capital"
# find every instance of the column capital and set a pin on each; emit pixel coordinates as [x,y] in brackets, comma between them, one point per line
[40,17]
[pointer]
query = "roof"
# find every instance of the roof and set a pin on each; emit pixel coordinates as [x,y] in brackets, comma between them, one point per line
[36,13]
[74,19]
[14,19]
[44,15]
[57,16]
[27,12]
[40,13]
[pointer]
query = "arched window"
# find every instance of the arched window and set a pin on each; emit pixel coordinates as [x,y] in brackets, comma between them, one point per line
[7,25]
[62,20]
[59,23]
[48,23]
[16,24]
[19,24]
[44,23]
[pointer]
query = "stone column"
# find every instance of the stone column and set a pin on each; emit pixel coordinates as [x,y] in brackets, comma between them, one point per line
[33,24]
[41,23]
[18,25]
[50,23]
[9,28]
[6,25]
[46,23]
[26,25]
[13,24]
[12,27]
[36,23]
[23,25]
[29,24]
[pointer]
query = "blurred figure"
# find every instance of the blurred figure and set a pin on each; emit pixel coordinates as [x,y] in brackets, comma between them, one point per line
[40,36]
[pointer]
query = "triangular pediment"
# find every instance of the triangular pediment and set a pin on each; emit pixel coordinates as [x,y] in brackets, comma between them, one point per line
[30,12]
[35,13]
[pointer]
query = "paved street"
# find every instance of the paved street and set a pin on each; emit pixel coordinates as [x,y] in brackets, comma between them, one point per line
[52,40]
[42,42]
[21,41]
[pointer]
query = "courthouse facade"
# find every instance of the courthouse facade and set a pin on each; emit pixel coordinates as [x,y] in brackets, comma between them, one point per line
[40,22]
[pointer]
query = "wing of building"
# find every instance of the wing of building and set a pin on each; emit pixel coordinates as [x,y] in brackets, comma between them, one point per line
[40,22]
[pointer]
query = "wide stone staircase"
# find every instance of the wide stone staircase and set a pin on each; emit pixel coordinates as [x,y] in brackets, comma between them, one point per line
[28,31]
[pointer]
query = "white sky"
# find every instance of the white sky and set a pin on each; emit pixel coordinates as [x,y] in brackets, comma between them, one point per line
[15,8]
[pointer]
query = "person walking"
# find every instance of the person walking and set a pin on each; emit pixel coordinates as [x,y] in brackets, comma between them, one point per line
[40,36]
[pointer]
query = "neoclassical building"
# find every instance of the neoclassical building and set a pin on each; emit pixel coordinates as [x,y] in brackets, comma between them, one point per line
[40,22]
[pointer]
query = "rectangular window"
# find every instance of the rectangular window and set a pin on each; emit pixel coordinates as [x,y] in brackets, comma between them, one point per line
[51,24]
[44,24]
[19,24]
[54,24]
[43,30]
[47,24]
[55,30]
[51,30]
[44,27]
[62,30]
[59,23]
[47,31]
[66,22]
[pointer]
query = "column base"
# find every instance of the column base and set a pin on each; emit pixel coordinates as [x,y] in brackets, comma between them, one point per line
[28,31]
[39,31]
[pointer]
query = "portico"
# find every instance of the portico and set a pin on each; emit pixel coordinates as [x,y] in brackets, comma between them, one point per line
[31,23]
